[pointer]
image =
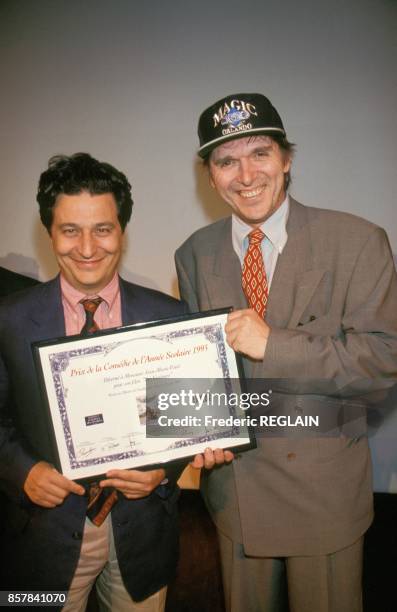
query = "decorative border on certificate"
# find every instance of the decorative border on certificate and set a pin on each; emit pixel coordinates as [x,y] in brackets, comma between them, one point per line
[109,371]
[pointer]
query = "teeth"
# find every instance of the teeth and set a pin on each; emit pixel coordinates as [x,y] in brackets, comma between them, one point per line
[251,194]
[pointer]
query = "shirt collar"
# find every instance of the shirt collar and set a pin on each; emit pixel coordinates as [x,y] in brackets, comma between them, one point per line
[274,228]
[73,296]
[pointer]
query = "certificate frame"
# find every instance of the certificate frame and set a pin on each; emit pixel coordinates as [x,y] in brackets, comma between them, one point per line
[71,369]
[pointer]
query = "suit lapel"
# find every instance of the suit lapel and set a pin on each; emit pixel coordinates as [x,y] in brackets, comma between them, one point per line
[295,278]
[46,311]
[224,278]
[132,310]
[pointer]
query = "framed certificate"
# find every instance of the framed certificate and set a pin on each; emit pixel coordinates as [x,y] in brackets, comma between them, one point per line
[142,395]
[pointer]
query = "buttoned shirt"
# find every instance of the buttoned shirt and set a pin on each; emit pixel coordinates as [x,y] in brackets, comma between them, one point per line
[108,313]
[275,230]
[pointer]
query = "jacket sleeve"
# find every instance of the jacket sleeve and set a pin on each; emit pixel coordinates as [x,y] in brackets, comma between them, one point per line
[365,347]
[15,460]
[187,291]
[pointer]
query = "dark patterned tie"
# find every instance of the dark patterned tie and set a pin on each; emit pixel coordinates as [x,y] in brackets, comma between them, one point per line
[90,307]
[254,281]
[100,501]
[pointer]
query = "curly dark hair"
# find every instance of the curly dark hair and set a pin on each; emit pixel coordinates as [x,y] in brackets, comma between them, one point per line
[80,172]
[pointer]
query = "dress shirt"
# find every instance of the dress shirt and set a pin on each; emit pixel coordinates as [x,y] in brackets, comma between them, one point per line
[108,313]
[273,243]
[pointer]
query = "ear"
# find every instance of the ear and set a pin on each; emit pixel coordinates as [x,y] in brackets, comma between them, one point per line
[287,163]
[210,179]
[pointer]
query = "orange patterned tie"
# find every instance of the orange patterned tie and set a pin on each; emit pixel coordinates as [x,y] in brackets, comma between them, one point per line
[254,279]
[100,501]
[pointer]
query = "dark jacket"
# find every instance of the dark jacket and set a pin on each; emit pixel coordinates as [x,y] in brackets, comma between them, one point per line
[43,545]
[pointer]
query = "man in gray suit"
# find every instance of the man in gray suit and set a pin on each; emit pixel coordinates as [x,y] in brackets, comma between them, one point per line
[323,307]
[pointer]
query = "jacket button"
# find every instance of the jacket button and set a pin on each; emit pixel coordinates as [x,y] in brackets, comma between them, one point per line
[76,535]
[291,456]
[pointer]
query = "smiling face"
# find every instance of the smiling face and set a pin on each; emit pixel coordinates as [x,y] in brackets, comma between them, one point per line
[248,173]
[87,239]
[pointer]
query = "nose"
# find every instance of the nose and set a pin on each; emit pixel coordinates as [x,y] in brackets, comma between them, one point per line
[246,172]
[87,246]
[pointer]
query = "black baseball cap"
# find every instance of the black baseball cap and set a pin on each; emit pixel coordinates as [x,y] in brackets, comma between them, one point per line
[235,116]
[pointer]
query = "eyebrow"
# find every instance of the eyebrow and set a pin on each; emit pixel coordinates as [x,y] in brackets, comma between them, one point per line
[219,161]
[263,147]
[76,225]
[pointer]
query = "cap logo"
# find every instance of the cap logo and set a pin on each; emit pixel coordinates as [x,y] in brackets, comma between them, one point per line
[234,117]
[235,114]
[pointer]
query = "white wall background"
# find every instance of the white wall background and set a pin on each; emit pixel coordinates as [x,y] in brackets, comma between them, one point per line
[126,82]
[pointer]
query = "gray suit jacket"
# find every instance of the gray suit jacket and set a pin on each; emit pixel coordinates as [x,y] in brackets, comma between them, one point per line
[332,311]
